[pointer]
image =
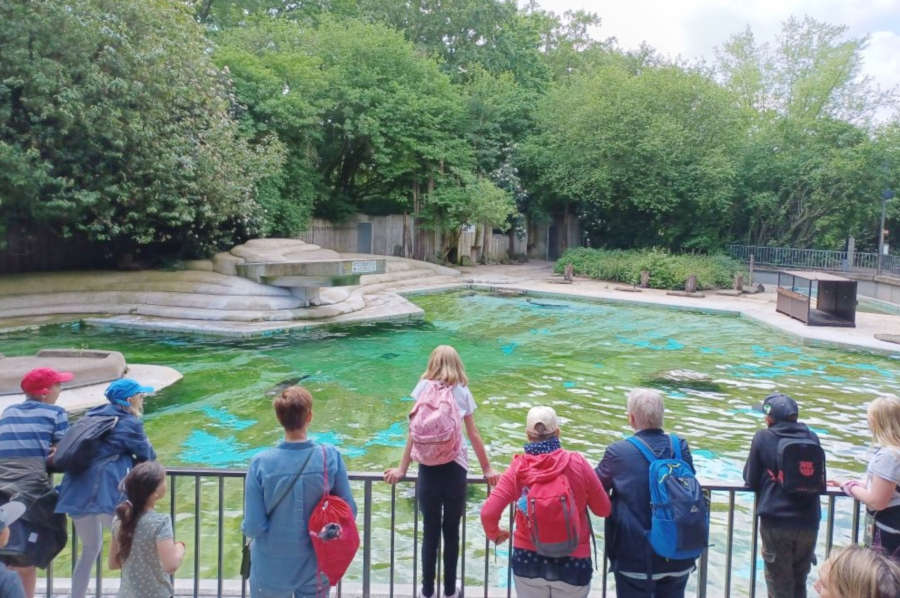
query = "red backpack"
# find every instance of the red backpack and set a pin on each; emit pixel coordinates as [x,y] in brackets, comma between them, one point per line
[435,425]
[332,529]
[552,517]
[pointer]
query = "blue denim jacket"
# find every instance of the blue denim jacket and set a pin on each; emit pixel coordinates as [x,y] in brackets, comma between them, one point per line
[281,552]
[96,489]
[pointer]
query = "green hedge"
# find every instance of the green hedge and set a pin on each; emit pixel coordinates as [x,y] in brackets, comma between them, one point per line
[667,271]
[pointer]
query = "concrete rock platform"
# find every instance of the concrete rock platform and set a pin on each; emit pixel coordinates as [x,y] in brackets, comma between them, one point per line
[76,400]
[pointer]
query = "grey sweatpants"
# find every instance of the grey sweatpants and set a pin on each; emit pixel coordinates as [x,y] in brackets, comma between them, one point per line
[90,531]
[539,587]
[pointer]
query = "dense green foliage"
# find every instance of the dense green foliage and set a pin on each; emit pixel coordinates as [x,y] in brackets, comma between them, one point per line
[648,156]
[667,270]
[115,127]
[173,128]
[811,167]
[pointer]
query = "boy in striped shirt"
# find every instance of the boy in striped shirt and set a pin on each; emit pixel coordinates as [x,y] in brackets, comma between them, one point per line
[28,433]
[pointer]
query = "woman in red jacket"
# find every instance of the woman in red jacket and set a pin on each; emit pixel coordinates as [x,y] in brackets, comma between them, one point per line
[551,546]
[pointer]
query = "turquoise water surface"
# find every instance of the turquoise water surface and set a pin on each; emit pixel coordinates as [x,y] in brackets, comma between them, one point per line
[579,357]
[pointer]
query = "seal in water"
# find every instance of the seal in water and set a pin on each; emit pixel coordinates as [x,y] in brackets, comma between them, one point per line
[285,384]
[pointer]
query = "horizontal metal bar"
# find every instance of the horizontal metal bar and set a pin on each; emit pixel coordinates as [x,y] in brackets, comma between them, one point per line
[364,476]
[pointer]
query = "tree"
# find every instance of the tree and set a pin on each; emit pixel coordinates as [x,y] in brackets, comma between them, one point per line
[472,201]
[809,164]
[646,156]
[279,86]
[115,126]
[464,33]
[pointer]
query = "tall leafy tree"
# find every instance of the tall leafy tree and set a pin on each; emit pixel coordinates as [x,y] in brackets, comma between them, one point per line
[115,126]
[646,156]
[809,164]
[279,86]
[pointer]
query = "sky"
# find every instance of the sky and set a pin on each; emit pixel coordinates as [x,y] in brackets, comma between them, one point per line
[693,29]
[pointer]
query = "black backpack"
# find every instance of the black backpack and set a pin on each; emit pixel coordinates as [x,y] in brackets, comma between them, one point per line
[40,535]
[78,446]
[801,466]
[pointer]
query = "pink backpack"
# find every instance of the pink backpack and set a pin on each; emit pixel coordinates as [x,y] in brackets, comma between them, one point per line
[435,425]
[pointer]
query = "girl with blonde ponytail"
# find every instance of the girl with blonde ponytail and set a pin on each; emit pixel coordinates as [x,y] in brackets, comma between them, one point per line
[442,487]
[880,491]
[143,543]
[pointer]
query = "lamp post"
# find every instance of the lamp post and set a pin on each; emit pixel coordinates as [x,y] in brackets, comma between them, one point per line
[885,196]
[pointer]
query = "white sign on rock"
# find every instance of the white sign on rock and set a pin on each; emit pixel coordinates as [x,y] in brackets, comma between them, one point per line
[364,267]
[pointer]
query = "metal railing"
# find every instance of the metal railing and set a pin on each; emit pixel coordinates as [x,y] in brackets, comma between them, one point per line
[814,259]
[206,506]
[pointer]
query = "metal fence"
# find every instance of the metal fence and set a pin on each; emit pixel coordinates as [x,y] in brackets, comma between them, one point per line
[815,259]
[206,507]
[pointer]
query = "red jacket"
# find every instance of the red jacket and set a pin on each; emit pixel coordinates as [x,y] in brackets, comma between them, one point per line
[527,469]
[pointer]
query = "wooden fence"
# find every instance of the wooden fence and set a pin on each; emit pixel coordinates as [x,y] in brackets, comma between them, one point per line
[41,251]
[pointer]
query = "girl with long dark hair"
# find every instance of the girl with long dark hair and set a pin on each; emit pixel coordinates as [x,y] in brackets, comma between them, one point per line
[143,543]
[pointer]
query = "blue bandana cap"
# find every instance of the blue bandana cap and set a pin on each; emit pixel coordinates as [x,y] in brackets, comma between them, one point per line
[543,447]
[123,389]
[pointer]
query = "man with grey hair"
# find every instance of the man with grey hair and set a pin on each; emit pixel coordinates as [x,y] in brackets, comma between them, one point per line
[639,571]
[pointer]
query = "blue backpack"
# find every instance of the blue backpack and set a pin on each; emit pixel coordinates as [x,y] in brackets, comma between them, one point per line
[679,511]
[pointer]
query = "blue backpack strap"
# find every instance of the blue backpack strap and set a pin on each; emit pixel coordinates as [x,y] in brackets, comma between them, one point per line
[643,448]
[676,446]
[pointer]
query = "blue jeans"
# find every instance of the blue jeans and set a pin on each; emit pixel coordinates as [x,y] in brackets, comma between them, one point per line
[666,587]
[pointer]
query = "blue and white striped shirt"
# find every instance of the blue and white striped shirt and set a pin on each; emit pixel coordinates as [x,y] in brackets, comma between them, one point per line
[28,429]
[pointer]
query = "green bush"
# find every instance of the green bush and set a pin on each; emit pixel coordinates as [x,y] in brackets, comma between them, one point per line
[667,271]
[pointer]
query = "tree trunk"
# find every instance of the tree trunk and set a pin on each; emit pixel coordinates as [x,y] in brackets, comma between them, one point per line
[484,243]
[203,13]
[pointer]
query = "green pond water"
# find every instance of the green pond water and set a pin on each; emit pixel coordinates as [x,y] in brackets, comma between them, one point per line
[579,357]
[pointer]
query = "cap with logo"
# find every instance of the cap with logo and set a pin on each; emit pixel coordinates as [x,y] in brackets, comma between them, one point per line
[780,407]
[37,382]
[541,420]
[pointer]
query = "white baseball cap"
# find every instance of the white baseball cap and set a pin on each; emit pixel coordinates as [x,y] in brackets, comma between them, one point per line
[545,416]
[10,512]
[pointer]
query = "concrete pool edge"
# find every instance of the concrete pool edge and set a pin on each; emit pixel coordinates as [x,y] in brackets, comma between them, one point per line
[527,281]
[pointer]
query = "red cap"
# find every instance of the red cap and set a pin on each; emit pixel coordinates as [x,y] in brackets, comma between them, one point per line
[37,383]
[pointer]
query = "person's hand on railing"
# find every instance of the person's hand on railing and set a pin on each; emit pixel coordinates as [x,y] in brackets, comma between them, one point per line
[492,477]
[502,536]
[394,475]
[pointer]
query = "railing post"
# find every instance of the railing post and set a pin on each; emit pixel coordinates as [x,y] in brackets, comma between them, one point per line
[729,541]
[367,535]
[196,536]
[219,573]
[829,530]
[704,558]
[854,533]
[393,527]
[755,528]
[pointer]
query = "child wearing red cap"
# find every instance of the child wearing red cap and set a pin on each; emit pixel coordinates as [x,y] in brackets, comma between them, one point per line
[28,432]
